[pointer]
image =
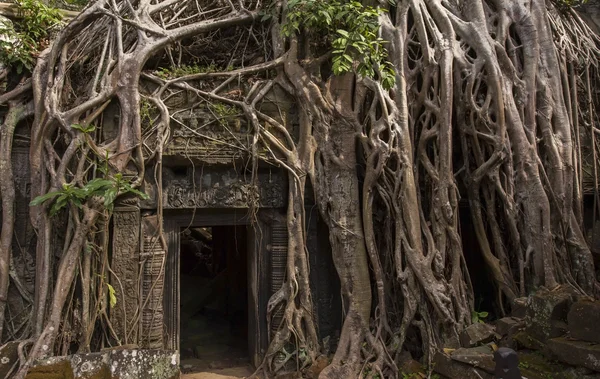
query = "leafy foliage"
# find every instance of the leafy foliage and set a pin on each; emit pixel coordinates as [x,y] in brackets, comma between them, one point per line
[38,18]
[20,44]
[355,28]
[108,189]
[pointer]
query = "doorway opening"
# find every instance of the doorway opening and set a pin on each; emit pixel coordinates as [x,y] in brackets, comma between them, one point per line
[213,297]
[485,291]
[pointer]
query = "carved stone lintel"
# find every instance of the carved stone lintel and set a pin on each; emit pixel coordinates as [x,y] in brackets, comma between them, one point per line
[223,189]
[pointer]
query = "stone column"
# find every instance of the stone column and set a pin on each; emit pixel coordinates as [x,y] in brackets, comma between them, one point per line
[152,262]
[124,264]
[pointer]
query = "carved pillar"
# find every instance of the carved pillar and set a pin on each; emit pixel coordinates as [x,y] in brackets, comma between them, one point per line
[279,251]
[152,262]
[125,258]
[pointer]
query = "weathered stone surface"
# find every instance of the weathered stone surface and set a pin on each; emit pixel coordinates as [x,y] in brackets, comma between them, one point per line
[576,353]
[524,339]
[217,187]
[481,357]
[519,307]
[58,369]
[8,356]
[547,312]
[125,265]
[112,364]
[584,321]
[445,365]
[508,325]
[477,334]
[534,365]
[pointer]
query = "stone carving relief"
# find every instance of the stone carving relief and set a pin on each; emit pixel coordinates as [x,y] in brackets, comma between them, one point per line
[152,262]
[223,188]
[199,135]
[126,241]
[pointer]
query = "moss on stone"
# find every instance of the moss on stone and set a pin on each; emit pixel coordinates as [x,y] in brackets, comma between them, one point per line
[58,370]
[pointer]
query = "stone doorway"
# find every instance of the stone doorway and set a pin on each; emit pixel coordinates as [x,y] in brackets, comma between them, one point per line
[214,297]
[217,278]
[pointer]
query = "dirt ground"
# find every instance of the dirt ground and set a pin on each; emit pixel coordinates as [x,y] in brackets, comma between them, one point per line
[228,373]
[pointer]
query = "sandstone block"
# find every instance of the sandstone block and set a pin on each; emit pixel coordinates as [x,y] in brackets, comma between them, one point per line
[481,357]
[508,325]
[452,369]
[547,312]
[8,357]
[576,353]
[477,334]
[584,321]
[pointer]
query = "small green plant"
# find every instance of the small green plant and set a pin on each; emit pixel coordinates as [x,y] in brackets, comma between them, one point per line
[146,110]
[70,194]
[84,128]
[108,188]
[38,18]
[355,28]
[477,317]
[412,375]
[222,112]
[183,70]
[19,44]
[523,365]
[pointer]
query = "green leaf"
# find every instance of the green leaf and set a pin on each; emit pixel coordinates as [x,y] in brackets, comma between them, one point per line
[61,202]
[93,186]
[43,198]
[84,128]
[111,295]
[483,314]
[109,197]
[343,32]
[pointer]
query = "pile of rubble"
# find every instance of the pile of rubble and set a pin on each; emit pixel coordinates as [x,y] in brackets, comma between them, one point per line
[556,334]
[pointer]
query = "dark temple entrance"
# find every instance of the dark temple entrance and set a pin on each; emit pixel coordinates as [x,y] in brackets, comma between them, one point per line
[214,297]
[216,286]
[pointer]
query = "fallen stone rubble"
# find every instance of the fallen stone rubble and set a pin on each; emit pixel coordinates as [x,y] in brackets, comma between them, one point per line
[556,334]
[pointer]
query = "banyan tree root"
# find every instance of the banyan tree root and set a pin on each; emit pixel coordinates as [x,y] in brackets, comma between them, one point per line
[483,107]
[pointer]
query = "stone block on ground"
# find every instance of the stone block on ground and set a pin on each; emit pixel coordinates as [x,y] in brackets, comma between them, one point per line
[576,353]
[519,307]
[525,340]
[477,334]
[509,326]
[56,369]
[547,312]
[8,357]
[443,364]
[584,321]
[111,364]
[481,357]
